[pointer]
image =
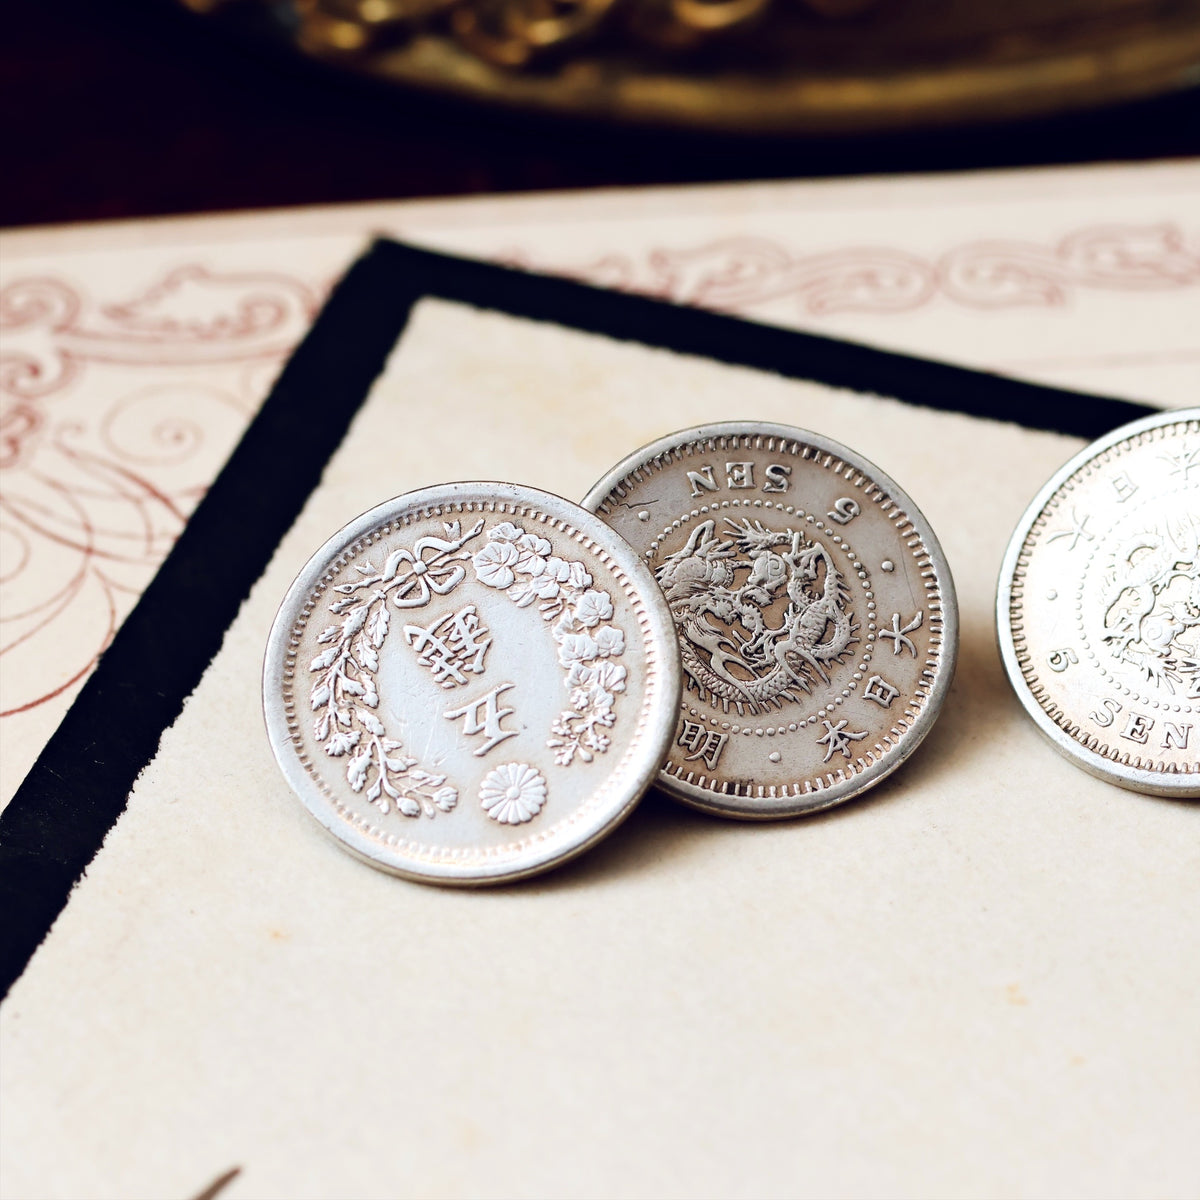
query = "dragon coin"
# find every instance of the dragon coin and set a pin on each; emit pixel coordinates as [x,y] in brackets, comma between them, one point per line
[1098,608]
[471,683]
[813,607]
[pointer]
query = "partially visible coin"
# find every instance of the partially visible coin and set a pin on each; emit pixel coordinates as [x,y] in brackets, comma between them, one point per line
[813,606]
[471,683]
[1098,608]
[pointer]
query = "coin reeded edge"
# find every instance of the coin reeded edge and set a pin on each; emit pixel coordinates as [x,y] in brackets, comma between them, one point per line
[767,808]
[1008,592]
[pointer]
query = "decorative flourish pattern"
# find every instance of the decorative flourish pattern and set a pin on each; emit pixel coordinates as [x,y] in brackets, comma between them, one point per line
[1009,274]
[94,489]
[736,274]
[191,316]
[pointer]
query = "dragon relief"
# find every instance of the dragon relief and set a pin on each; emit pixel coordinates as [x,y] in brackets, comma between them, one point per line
[747,579]
[1151,597]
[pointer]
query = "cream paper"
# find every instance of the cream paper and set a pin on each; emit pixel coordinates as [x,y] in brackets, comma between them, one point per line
[132,355]
[979,980]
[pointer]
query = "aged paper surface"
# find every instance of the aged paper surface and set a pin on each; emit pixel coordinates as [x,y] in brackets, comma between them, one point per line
[134,354]
[978,981]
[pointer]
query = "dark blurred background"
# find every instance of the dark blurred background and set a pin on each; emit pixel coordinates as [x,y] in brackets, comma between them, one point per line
[133,108]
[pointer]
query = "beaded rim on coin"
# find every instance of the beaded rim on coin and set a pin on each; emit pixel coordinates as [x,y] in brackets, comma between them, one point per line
[1154,783]
[654,715]
[652,456]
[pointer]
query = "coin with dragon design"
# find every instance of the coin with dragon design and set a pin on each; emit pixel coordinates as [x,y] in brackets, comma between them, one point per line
[1098,608]
[471,683]
[814,610]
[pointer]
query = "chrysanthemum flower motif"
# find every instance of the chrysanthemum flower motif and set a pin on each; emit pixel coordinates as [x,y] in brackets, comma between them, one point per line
[513,793]
[494,564]
[593,607]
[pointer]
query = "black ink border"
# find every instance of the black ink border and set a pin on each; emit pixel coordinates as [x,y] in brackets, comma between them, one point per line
[74,793]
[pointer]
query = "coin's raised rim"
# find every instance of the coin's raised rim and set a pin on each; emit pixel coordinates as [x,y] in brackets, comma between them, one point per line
[1137,779]
[640,762]
[783,807]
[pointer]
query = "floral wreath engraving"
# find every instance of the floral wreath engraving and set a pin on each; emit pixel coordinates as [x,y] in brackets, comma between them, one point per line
[345,695]
[1152,604]
[750,663]
[521,565]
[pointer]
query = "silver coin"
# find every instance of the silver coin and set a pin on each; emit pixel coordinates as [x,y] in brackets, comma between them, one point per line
[1098,608]
[471,683]
[814,610]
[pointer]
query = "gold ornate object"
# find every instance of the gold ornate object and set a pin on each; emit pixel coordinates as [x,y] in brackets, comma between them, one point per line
[765,66]
[510,33]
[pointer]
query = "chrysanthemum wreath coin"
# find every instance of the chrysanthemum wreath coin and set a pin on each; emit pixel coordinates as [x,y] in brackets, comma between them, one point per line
[813,607]
[471,683]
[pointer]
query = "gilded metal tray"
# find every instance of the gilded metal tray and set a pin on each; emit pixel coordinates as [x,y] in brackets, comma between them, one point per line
[758,66]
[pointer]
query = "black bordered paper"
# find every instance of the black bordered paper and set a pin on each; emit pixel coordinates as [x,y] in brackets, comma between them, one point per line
[73,795]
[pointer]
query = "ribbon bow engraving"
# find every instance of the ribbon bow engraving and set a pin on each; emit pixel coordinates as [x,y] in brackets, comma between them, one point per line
[411,577]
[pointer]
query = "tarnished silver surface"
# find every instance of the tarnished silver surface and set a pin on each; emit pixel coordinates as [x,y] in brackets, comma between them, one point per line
[471,683]
[1098,608]
[814,610]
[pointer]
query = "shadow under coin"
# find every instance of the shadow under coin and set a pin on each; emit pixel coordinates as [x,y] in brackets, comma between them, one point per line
[661,832]
[979,706]
[977,709]
[658,832]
